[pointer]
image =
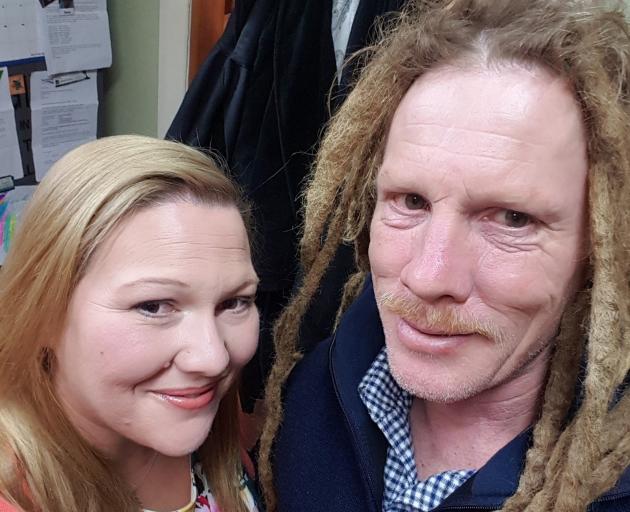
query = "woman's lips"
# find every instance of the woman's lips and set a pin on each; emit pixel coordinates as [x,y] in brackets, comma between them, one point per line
[188,398]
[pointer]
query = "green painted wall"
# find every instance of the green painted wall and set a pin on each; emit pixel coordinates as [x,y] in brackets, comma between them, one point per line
[130,86]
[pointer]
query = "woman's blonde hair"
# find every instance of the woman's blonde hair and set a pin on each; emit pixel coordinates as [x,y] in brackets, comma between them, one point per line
[44,463]
[587,43]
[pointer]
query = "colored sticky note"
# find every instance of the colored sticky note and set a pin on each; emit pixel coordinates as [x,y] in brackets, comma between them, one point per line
[12,205]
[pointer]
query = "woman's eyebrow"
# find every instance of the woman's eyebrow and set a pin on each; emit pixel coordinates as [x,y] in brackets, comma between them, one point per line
[155,280]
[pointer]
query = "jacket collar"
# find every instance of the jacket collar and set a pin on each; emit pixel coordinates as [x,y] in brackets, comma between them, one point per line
[355,345]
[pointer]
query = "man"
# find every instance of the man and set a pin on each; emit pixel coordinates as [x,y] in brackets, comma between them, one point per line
[481,168]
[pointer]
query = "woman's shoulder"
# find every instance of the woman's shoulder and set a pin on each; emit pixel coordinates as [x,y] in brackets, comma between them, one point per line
[249,494]
[205,499]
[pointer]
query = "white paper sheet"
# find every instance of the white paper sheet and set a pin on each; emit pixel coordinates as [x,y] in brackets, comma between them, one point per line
[18,30]
[62,117]
[12,205]
[10,159]
[75,35]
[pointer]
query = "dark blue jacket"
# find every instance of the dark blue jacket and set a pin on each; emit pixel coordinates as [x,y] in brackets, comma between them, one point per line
[329,455]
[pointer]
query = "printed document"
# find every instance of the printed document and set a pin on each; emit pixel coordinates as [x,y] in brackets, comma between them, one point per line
[74,35]
[62,117]
[10,159]
[18,31]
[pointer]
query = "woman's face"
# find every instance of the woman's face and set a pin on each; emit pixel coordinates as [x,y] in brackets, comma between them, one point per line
[158,329]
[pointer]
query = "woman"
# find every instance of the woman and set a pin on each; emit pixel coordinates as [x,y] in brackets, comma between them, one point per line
[127,302]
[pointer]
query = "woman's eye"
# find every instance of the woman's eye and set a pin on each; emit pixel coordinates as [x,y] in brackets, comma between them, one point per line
[415,202]
[154,307]
[236,304]
[513,218]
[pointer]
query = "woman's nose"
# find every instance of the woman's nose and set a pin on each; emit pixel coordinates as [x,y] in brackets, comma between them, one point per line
[203,349]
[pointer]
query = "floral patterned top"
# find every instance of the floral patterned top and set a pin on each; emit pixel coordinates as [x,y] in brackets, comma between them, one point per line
[201,499]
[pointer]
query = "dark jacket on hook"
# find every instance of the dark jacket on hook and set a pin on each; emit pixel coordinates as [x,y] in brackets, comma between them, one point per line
[259,100]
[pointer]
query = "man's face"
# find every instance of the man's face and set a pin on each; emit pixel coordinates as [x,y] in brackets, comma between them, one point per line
[478,234]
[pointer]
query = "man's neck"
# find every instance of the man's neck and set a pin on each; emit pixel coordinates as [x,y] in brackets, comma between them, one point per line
[466,434]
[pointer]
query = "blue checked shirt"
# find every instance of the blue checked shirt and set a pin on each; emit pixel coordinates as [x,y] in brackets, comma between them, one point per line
[388,406]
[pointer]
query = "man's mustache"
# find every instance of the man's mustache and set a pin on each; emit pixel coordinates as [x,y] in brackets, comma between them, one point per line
[446,320]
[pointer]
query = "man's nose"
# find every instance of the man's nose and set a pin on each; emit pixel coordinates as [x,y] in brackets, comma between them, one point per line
[441,262]
[203,349]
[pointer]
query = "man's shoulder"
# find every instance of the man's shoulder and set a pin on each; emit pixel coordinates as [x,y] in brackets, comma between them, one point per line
[308,390]
[315,434]
[355,343]
[313,364]
[617,499]
[325,421]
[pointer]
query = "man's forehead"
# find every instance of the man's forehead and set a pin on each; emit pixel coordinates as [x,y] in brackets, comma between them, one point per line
[506,135]
[501,100]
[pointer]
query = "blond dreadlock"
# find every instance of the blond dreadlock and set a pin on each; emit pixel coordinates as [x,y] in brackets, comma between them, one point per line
[588,44]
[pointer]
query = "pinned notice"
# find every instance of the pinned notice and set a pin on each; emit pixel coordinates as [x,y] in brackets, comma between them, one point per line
[74,35]
[63,117]
[12,206]
[10,159]
[18,31]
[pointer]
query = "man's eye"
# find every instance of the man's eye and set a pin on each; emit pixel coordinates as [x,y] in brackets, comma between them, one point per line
[415,202]
[514,219]
[154,307]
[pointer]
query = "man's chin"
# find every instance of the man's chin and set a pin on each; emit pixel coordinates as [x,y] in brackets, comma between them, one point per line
[439,385]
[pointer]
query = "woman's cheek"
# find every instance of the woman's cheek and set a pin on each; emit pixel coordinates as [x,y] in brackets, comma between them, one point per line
[243,341]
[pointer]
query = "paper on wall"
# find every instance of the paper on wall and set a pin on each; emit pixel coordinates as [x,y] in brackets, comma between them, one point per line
[18,31]
[10,159]
[62,117]
[12,206]
[74,35]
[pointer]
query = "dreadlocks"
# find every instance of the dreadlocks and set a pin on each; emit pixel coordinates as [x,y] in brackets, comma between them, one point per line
[570,462]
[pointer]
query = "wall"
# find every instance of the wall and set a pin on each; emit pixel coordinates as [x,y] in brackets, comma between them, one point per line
[130,86]
[174,42]
[148,78]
